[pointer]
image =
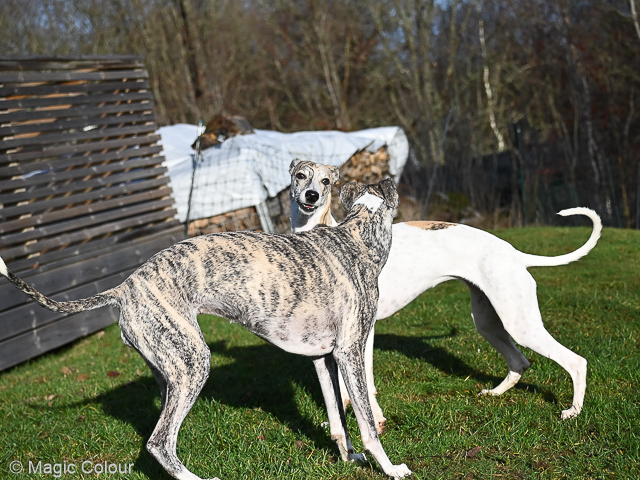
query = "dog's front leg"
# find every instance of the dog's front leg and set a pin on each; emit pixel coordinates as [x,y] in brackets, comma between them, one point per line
[378,416]
[351,363]
[327,370]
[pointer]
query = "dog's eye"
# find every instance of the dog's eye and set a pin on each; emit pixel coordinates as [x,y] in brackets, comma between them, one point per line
[325,181]
[300,176]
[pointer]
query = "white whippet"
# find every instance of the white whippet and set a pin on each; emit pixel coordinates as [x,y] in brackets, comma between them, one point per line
[504,304]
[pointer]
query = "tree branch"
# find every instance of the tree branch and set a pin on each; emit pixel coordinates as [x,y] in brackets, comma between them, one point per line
[634,16]
[488,91]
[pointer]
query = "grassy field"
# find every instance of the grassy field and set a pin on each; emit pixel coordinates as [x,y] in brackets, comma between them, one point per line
[260,415]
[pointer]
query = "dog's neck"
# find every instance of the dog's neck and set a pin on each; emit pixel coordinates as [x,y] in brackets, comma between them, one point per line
[373,229]
[303,223]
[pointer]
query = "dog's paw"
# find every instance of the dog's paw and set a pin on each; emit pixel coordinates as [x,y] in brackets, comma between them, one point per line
[359,458]
[486,391]
[399,471]
[380,425]
[571,412]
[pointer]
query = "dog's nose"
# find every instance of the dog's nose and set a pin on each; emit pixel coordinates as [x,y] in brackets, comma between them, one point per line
[311,196]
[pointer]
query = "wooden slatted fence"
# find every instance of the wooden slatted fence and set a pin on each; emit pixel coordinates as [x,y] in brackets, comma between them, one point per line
[84,197]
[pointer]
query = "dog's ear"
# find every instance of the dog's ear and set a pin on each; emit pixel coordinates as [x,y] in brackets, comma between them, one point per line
[349,193]
[390,192]
[294,164]
[335,174]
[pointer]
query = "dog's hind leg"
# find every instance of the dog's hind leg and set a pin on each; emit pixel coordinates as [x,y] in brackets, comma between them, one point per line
[523,321]
[183,385]
[489,325]
[161,382]
[541,342]
[327,371]
[180,361]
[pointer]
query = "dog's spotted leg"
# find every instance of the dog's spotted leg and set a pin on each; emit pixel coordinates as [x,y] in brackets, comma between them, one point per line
[161,382]
[489,325]
[327,371]
[181,370]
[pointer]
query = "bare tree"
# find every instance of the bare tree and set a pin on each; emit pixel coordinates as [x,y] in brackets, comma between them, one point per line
[488,90]
[560,76]
[634,16]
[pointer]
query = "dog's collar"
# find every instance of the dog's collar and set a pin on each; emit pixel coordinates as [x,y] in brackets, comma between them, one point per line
[370,201]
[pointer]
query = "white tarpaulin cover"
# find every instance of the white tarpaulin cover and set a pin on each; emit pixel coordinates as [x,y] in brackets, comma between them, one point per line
[245,170]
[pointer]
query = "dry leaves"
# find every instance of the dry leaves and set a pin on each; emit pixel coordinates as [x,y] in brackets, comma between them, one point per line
[473,452]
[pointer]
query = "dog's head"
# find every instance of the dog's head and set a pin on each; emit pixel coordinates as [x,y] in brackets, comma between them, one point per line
[372,197]
[311,185]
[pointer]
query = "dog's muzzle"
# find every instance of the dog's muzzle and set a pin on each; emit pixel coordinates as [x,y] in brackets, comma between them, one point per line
[311,196]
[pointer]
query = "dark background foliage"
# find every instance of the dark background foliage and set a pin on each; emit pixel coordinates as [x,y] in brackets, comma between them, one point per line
[518,108]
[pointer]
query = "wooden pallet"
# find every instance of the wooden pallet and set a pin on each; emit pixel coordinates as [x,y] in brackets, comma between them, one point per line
[84,198]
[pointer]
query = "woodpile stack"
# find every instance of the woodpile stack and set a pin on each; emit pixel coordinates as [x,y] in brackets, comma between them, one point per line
[362,167]
[241,219]
[280,211]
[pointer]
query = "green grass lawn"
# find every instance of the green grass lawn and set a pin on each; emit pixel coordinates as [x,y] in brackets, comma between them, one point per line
[260,414]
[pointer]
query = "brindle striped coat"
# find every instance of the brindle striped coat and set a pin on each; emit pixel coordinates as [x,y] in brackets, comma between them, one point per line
[313,293]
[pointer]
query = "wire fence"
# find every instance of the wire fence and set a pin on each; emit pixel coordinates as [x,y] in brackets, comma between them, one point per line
[529,186]
[240,184]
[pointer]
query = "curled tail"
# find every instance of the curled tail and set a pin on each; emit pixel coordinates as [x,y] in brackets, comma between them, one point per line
[74,306]
[541,261]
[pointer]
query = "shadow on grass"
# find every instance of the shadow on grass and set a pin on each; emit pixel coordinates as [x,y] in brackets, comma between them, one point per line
[443,360]
[265,377]
[261,376]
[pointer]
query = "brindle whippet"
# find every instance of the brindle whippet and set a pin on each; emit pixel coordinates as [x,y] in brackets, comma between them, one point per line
[313,293]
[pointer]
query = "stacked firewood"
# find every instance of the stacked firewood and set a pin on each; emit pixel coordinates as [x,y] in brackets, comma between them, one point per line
[280,211]
[362,167]
[241,219]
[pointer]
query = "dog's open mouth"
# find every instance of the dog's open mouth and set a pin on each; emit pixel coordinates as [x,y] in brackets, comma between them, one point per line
[307,208]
